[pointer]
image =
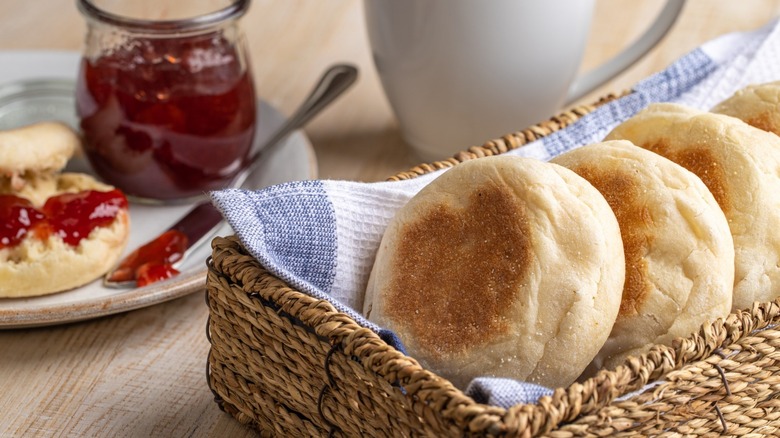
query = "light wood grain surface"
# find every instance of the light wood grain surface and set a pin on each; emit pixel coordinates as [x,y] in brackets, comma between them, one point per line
[143,373]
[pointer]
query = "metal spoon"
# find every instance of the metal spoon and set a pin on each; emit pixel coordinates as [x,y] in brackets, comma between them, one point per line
[333,82]
[203,218]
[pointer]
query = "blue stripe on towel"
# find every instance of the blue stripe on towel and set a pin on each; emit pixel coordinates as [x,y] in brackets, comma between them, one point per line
[665,86]
[290,227]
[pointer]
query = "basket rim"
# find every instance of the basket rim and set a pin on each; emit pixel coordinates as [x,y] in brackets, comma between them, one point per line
[459,410]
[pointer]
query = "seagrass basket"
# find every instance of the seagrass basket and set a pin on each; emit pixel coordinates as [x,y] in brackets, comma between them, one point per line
[287,364]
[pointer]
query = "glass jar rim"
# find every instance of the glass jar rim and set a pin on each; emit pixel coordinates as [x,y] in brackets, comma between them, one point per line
[235,9]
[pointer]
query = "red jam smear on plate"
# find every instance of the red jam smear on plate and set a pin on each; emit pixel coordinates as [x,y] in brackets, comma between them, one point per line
[148,274]
[72,216]
[154,261]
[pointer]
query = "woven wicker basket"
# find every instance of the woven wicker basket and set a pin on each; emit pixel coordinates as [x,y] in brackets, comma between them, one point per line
[286,364]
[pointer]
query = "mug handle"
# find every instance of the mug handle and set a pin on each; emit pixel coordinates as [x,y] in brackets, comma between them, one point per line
[590,80]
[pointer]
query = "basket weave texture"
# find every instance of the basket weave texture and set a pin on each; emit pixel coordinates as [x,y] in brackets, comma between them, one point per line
[287,364]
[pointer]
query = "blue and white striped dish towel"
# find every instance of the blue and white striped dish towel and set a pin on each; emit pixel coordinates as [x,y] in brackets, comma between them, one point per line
[321,236]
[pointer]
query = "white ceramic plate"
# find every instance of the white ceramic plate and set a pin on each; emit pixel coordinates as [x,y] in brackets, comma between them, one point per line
[51,96]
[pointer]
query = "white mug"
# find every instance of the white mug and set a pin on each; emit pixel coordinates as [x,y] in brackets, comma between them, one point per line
[458,73]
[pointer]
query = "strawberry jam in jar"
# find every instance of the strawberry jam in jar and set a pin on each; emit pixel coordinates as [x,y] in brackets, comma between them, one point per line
[165,95]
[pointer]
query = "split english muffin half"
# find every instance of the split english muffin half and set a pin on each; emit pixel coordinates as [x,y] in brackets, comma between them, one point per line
[58,231]
[757,105]
[740,165]
[502,266]
[679,254]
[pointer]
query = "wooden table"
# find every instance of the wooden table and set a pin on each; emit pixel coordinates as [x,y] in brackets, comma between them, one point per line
[142,373]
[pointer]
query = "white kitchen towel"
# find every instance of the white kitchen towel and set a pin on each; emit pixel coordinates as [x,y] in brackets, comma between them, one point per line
[321,236]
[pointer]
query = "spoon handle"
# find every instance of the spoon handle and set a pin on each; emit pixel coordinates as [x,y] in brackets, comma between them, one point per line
[337,79]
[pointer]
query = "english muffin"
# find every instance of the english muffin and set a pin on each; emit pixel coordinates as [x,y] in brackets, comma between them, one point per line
[45,260]
[738,163]
[33,152]
[758,105]
[58,231]
[678,249]
[502,266]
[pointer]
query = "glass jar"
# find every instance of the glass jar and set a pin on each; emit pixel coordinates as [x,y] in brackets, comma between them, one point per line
[165,95]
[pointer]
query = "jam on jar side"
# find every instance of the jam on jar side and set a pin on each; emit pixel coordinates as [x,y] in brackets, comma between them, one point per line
[165,115]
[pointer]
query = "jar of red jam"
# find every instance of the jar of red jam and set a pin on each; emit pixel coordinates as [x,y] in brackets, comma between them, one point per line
[165,95]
